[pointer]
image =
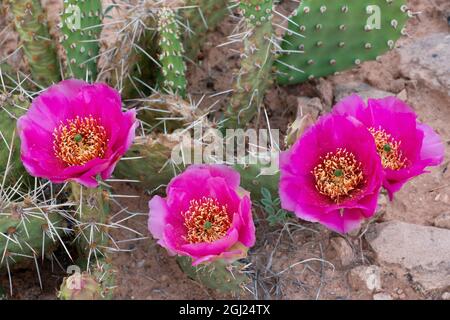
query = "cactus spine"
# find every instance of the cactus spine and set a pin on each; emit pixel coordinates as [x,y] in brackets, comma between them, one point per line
[171,53]
[29,230]
[11,108]
[326,37]
[205,17]
[217,275]
[256,66]
[29,19]
[92,224]
[81,27]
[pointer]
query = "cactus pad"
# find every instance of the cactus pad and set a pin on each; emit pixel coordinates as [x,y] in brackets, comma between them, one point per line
[28,231]
[217,275]
[171,55]
[255,76]
[81,27]
[38,46]
[325,37]
[11,108]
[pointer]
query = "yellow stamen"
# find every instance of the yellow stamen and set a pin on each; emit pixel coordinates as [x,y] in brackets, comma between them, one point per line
[79,140]
[206,220]
[339,175]
[389,149]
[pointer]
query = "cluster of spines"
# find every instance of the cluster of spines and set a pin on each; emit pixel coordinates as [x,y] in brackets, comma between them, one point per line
[28,231]
[30,22]
[256,66]
[81,24]
[173,67]
[325,38]
[203,17]
[11,108]
[219,275]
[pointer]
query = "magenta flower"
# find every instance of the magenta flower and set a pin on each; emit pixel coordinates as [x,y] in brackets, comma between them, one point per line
[332,174]
[75,131]
[205,215]
[406,147]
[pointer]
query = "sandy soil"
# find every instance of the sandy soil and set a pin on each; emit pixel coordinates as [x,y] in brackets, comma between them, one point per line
[297,260]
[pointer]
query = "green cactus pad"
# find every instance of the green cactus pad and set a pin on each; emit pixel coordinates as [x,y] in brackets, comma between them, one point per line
[150,162]
[253,179]
[255,75]
[81,26]
[29,19]
[94,210]
[325,37]
[11,108]
[171,53]
[217,275]
[28,231]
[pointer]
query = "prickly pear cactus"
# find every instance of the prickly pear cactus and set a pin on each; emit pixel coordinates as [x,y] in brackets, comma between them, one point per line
[150,162]
[171,53]
[30,22]
[92,220]
[256,66]
[167,112]
[204,16]
[11,108]
[29,231]
[325,37]
[253,179]
[217,275]
[81,26]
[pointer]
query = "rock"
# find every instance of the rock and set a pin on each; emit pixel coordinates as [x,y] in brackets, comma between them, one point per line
[367,278]
[325,89]
[442,220]
[446,296]
[427,60]
[421,251]
[313,106]
[382,296]
[360,88]
[343,249]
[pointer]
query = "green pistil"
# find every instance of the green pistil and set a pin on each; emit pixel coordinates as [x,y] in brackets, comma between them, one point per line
[78,138]
[207,225]
[387,147]
[338,172]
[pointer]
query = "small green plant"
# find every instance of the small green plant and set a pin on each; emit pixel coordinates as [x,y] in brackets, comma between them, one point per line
[272,206]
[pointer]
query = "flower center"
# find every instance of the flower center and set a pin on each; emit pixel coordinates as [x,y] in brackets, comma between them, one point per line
[79,141]
[338,175]
[389,149]
[206,220]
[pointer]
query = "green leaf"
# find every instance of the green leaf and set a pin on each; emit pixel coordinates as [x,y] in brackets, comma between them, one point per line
[266,193]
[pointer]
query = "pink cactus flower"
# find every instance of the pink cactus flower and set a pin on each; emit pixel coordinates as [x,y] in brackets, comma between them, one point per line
[332,174]
[406,146]
[75,131]
[205,215]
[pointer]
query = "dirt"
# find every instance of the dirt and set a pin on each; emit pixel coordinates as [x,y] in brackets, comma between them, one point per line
[296,260]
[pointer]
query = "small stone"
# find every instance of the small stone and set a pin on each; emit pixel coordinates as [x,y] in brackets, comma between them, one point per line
[403,95]
[382,296]
[164,278]
[420,251]
[367,278]
[360,88]
[343,249]
[140,264]
[427,59]
[442,220]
